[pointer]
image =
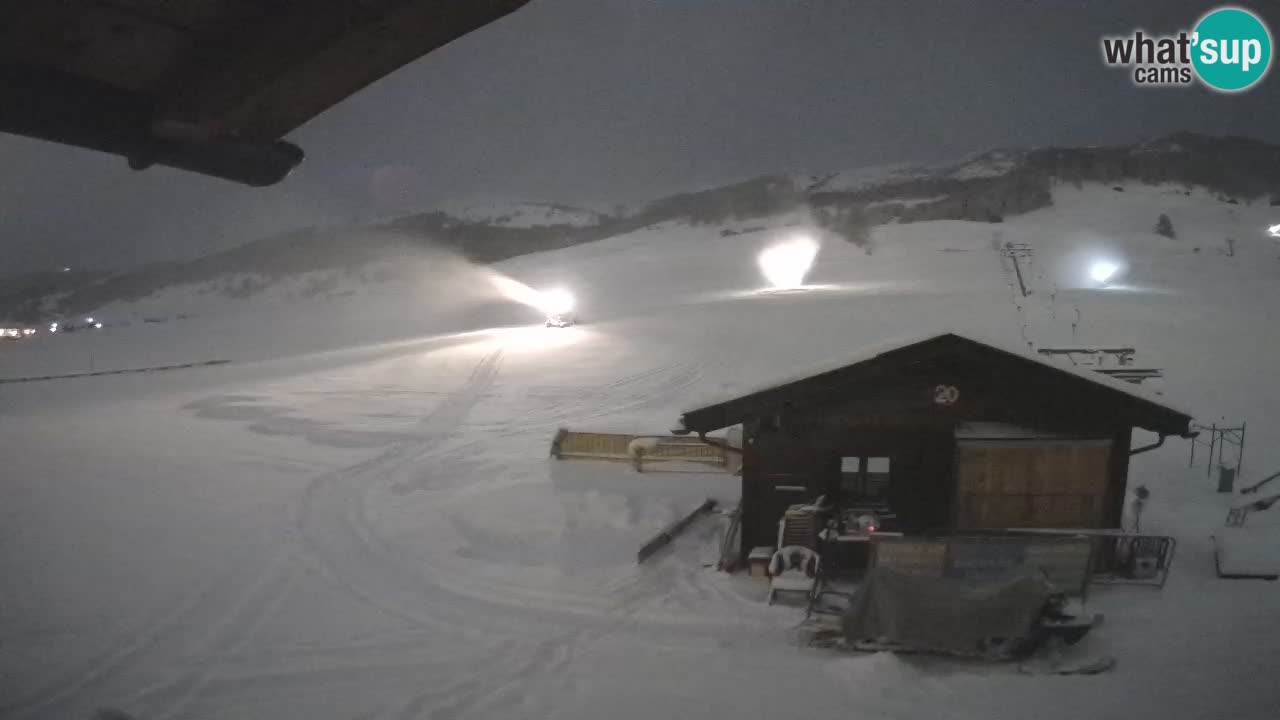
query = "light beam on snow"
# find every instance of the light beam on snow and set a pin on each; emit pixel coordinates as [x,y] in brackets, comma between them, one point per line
[527,340]
[516,291]
[1274,231]
[1103,271]
[548,302]
[524,340]
[786,264]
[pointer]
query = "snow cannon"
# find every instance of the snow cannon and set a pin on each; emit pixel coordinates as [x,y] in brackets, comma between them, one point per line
[558,305]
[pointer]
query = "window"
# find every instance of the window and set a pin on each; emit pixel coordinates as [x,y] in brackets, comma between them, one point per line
[864,479]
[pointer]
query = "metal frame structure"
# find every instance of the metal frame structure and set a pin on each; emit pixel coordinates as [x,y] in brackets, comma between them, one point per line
[1116,362]
[1218,439]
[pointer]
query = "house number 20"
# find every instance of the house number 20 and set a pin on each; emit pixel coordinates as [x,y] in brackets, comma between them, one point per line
[946,394]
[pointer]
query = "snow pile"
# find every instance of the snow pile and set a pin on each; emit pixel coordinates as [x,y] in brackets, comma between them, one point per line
[1251,551]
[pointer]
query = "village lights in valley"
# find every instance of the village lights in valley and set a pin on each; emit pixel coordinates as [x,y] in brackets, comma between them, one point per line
[786,264]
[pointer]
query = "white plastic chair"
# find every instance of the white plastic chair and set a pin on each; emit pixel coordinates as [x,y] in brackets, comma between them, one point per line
[793,568]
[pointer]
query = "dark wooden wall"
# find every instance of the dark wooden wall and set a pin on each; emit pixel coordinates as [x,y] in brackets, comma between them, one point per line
[898,416]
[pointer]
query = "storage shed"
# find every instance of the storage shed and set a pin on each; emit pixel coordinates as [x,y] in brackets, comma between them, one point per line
[946,432]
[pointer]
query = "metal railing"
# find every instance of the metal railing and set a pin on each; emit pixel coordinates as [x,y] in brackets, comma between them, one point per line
[1120,557]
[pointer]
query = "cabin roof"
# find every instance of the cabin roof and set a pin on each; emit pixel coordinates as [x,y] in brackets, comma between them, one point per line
[826,386]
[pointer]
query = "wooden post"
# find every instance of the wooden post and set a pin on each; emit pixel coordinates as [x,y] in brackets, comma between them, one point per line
[668,533]
[1240,455]
[1017,270]
[1213,442]
[556,442]
[1192,462]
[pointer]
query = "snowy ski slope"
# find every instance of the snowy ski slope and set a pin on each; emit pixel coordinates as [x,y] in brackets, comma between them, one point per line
[357,518]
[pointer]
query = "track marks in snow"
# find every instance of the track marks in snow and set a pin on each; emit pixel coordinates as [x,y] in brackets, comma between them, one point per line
[233,632]
[330,532]
[478,695]
[98,674]
[331,520]
[279,420]
[558,405]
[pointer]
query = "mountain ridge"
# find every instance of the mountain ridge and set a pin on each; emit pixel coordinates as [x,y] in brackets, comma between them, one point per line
[984,187]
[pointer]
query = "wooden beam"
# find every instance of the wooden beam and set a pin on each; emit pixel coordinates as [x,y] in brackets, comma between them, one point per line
[279,72]
[668,533]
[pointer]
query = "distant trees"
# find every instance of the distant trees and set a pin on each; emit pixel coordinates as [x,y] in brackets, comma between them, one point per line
[1164,226]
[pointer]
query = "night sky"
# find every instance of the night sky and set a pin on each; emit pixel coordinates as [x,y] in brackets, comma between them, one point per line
[619,101]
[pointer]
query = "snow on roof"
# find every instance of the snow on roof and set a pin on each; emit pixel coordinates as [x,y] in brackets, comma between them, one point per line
[875,350]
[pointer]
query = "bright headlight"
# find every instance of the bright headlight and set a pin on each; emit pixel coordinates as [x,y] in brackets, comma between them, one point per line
[786,264]
[1102,271]
[556,301]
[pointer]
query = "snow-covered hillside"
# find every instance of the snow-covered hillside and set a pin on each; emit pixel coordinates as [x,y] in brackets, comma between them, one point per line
[993,163]
[520,214]
[989,187]
[357,516]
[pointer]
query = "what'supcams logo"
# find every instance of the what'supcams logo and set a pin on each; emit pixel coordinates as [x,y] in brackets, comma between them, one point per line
[1228,50]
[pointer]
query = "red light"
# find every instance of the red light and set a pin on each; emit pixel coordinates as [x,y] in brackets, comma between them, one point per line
[871,529]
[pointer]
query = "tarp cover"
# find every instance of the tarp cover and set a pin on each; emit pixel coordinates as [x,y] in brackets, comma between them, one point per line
[948,614]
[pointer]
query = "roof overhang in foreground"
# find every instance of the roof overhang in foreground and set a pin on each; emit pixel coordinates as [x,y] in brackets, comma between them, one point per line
[210,86]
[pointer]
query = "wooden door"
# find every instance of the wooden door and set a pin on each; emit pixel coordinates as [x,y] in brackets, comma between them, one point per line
[1031,483]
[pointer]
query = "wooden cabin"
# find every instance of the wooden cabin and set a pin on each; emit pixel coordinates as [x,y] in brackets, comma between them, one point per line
[947,432]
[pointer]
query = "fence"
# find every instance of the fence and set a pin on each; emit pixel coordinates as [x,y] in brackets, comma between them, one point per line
[1065,561]
[1121,557]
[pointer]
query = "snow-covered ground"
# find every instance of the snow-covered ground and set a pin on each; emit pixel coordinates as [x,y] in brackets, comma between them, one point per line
[357,516]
